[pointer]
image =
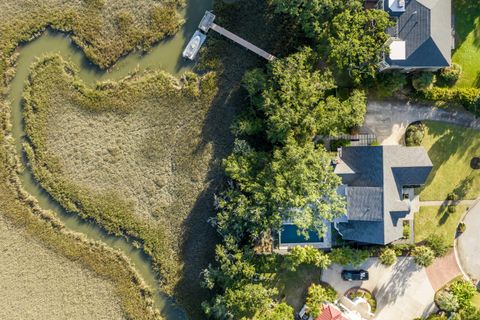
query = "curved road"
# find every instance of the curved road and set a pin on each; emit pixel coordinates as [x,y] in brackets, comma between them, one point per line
[468,244]
[389,120]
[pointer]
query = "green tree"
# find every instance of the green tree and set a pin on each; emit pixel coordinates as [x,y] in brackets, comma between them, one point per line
[306,255]
[279,311]
[317,296]
[389,83]
[447,301]
[423,256]
[423,81]
[467,313]
[438,244]
[388,256]
[356,41]
[313,15]
[244,302]
[294,100]
[349,256]
[464,291]
[234,267]
[303,187]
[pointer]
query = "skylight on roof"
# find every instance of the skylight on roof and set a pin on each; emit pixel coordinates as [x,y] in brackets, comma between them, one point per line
[397,5]
[397,50]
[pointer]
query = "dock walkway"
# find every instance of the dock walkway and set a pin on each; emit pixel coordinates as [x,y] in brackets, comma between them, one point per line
[224,32]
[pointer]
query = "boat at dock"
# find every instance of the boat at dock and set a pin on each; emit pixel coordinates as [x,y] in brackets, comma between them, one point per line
[194,45]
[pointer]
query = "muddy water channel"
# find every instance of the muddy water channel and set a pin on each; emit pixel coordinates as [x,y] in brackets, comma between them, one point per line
[166,56]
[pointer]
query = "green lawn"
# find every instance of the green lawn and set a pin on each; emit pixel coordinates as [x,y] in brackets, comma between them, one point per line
[293,286]
[437,220]
[476,300]
[467,53]
[451,149]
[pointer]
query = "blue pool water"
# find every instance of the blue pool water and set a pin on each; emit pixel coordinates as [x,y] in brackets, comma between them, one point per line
[289,234]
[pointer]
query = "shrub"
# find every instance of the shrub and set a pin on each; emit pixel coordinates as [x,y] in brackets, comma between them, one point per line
[414,135]
[316,296]
[438,244]
[450,75]
[452,209]
[447,301]
[452,196]
[406,231]
[347,255]
[389,83]
[423,256]
[464,291]
[306,255]
[423,81]
[338,143]
[462,227]
[467,97]
[388,256]
[366,295]
[402,248]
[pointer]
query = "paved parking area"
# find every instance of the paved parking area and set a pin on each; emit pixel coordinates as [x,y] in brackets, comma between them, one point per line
[389,120]
[403,291]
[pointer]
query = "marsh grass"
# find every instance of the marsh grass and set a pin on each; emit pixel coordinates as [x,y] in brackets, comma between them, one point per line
[39,283]
[104,29]
[22,212]
[126,154]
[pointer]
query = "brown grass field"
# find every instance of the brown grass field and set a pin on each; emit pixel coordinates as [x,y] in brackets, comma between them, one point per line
[104,30]
[129,154]
[38,283]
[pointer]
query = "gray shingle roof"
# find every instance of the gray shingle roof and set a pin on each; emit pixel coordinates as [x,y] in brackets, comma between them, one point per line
[365,203]
[374,192]
[426,28]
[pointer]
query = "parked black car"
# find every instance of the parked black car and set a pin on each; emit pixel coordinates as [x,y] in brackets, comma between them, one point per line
[354,275]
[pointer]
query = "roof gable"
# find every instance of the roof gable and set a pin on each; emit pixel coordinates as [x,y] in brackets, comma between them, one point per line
[426,28]
[374,190]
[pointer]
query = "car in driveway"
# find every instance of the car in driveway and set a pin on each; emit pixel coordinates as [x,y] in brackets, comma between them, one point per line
[355,275]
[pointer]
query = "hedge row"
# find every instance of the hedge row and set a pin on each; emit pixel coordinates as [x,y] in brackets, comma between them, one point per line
[467,97]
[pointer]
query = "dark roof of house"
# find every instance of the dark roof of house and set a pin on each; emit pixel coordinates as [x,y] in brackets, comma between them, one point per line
[374,182]
[426,28]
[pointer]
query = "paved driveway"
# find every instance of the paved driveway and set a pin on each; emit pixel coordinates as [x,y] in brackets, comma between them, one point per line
[468,244]
[403,291]
[389,120]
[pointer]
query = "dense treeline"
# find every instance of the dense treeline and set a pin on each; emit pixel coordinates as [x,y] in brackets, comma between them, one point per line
[278,171]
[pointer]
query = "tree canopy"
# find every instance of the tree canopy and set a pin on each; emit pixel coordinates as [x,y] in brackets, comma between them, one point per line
[295,98]
[356,41]
[352,38]
[295,182]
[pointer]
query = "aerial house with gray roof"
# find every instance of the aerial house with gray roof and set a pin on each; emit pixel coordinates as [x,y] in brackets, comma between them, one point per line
[423,36]
[378,187]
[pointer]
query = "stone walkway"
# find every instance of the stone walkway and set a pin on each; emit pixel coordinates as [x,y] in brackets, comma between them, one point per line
[389,120]
[443,270]
[446,203]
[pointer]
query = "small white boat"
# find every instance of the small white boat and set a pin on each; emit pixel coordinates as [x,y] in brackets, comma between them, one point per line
[194,45]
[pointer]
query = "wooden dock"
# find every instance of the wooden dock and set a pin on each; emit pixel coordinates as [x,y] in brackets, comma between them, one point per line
[224,32]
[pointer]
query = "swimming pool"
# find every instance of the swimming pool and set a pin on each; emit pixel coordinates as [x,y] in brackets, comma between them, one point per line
[289,234]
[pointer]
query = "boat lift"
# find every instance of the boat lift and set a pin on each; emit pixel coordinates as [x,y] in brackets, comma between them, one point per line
[205,25]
